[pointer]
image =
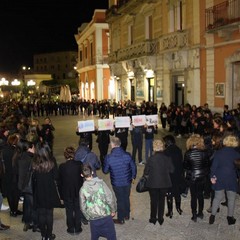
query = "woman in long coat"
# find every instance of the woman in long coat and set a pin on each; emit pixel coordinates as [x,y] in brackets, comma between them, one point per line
[45,193]
[158,169]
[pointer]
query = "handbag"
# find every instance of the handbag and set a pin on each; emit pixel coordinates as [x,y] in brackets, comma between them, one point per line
[141,185]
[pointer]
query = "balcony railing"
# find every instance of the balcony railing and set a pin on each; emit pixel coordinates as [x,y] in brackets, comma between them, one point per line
[222,14]
[146,48]
[174,41]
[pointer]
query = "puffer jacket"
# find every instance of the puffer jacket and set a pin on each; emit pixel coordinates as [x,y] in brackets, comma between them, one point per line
[96,199]
[197,164]
[121,166]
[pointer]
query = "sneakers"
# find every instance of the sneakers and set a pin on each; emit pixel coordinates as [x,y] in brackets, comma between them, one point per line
[4,227]
[141,163]
[4,207]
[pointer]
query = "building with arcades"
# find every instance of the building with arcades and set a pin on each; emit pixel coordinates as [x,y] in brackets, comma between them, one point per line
[182,51]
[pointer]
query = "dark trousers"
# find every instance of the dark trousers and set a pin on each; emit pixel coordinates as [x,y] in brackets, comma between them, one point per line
[157,201]
[30,215]
[123,201]
[13,198]
[103,149]
[73,214]
[103,227]
[196,190]
[137,147]
[45,217]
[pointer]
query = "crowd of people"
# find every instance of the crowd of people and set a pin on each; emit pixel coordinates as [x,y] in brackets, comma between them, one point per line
[208,169]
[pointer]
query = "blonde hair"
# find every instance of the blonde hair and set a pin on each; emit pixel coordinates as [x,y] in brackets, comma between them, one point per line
[195,141]
[231,141]
[158,145]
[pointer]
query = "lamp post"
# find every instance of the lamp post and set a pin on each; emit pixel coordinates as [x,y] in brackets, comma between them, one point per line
[24,87]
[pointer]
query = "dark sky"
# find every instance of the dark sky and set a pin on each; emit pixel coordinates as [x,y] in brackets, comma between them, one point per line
[28,27]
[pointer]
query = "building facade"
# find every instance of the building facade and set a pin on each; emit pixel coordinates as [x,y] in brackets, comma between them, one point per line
[92,66]
[167,51]
[59,64]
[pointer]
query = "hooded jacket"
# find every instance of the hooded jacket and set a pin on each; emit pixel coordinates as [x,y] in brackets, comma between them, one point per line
[96,199]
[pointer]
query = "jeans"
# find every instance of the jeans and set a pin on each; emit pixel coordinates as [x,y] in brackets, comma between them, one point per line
[73,214]
[29,214]
[123,201]
[148,148]
[103,227]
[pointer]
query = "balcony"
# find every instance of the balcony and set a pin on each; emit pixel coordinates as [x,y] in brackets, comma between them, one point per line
[174,41]
[146,48]
[125,7]
[225,15]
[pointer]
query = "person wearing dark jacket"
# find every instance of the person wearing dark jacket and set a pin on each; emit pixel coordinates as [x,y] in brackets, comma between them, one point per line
[103,140]
[158,169]
[224,177]
[10,181]
[85,156]
[175,153]
[122,134]
[45,193]
[197,166]
[86,137]
[70,182]
[122,171]
[24,165]
[47,132]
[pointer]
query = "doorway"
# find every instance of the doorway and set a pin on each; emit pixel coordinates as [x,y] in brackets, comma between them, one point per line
[235,84]
[178,94]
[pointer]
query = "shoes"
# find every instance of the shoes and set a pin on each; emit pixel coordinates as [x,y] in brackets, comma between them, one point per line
[84,221]
[153,220]
[35,228]
[19,212]
[209,210]
[26,227]
[161,221]
[231,220]
[169,214]
[126,218]
[4,227]
[13,214]
[70,231]
[141,163]
[116,221]
[78,231]
[200,215]
[179,210]
[184,195]
[179,136]
[224,203]
[211,219]
[194,217]
[4,207]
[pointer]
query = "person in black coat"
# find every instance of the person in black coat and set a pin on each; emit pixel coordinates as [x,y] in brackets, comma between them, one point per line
[122,134]
[70,182]
[10,181]
[197,166]
[47,132]
[103,140]
[175,153]
[158,169]
[45,193]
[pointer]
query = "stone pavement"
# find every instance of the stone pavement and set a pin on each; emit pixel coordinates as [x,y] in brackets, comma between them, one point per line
[137,228]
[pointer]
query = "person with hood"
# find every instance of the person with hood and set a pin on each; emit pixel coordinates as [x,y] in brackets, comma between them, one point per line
[98,205]
[85,156]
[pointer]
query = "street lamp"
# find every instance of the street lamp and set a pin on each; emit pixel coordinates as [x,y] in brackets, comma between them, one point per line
[4,82]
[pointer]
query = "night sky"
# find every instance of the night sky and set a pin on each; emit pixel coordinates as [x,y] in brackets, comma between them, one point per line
[29,27]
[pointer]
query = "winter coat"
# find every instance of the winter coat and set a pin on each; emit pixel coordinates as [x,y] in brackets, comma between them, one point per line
[85,156]
[96,199]
[45,192]
[158,169]
[197,164]
[121,166]
[70,179]
[224,169]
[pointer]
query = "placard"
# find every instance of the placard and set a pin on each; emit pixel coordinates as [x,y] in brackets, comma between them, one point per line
[105,124]
[122,122]
[86,126]
[139,120]
[152,120]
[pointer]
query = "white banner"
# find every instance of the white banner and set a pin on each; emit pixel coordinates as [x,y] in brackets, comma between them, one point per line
[86,126]
[139,120]
[122,122]
[152,120]
[105,124]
